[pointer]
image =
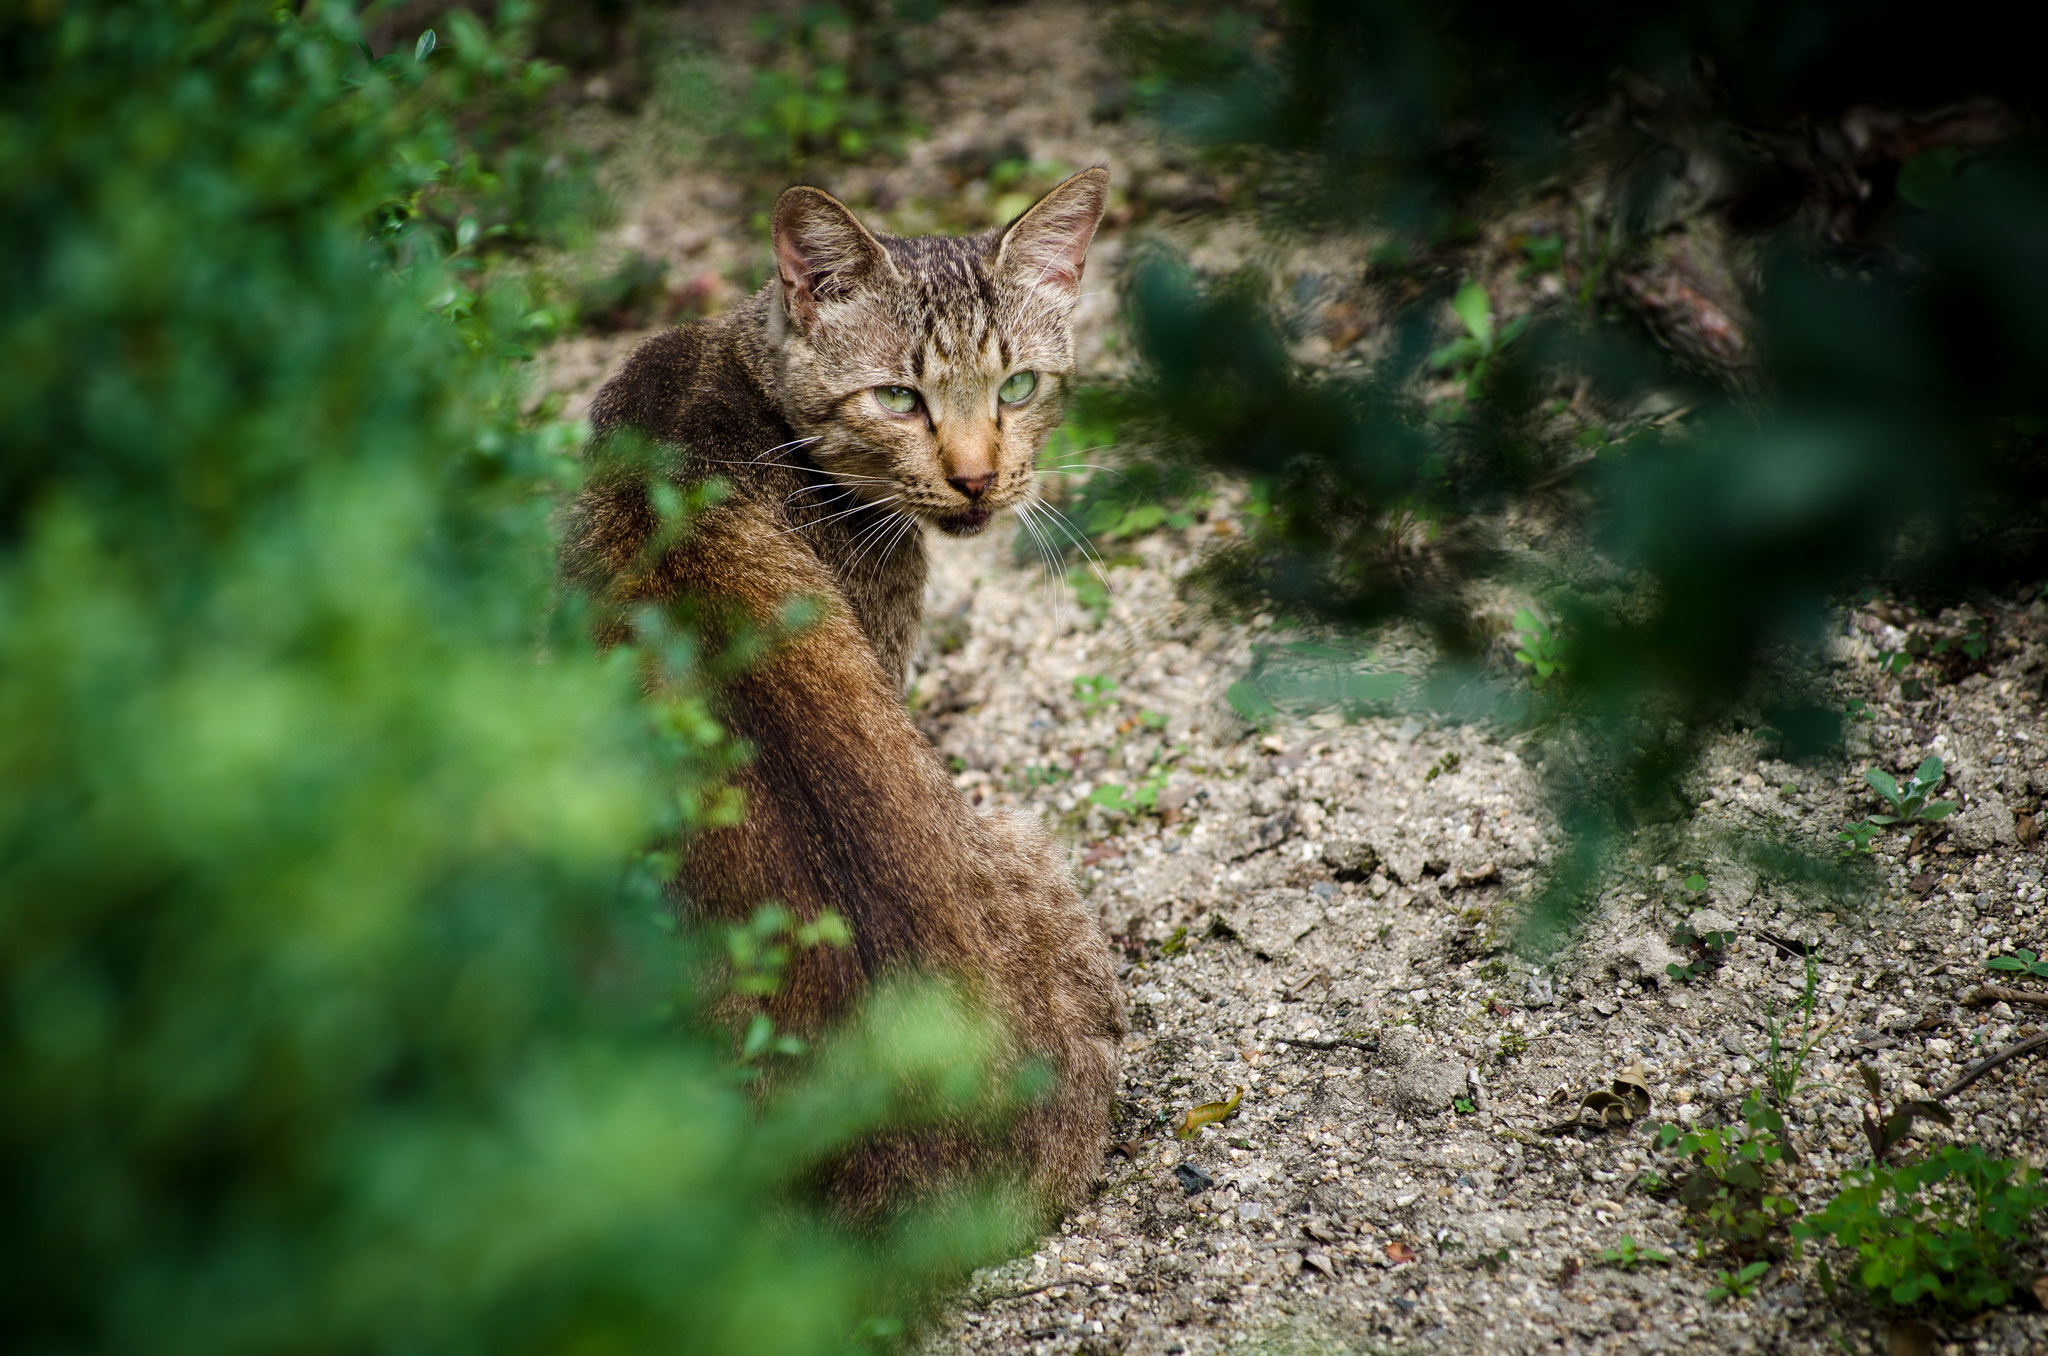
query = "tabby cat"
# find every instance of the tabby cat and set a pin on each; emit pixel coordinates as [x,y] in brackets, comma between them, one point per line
[878,387]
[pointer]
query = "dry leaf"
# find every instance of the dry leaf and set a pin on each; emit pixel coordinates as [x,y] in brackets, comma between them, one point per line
[1208,1113]
[1398,1252]
[1633,1088]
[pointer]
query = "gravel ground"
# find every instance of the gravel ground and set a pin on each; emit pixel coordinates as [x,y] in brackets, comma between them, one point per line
[1317,912]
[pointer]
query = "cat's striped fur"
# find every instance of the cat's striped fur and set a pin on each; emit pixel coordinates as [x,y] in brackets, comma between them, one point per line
[848,806]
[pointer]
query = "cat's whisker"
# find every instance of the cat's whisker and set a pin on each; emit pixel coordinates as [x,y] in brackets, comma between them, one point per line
[1080,539]
[1055,577]
[907,525]
[820,522]
[875,533]
[1078,467]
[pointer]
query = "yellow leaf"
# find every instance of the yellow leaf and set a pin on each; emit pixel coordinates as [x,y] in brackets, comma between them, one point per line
[1208,1113]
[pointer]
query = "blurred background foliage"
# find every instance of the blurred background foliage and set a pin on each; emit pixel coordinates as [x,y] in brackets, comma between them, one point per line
[1778,278]
[339,1008]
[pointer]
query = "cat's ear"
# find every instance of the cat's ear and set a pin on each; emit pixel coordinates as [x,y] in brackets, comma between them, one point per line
[1048,244]
[821,252]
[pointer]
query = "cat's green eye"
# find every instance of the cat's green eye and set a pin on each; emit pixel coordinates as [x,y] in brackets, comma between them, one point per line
[896,399]
[1019,386]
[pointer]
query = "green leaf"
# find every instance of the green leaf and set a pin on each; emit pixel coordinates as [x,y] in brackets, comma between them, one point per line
[1695,882]
[424,48]
[1928,774]
[2004,963]
[1940,809]
[1457,353]
[1881,781]
[1475,310]
[1246,699]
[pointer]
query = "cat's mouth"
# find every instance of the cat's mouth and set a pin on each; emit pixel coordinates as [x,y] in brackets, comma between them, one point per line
[965,523]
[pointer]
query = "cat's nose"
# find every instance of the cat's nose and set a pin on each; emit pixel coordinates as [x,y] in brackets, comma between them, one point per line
[971,486]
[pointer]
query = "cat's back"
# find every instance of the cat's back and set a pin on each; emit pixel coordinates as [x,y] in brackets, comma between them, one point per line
[688,404]
[701,386]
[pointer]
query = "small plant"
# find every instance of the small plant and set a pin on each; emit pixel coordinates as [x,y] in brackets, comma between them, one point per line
[1782,1064]
[1130,800]
[1706,949]
[1909,802]
[1473,353]
[2024,962]
[1448,763]
[1176,944]
[1732,1188]
[1464,1106]
[1886,1125]
[1940,1233]
[1857,837]
[1540,648]
[1094,691]
[1735,1285]
[1627,1255]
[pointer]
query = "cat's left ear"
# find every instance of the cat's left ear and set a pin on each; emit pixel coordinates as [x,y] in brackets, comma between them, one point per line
[1048,244]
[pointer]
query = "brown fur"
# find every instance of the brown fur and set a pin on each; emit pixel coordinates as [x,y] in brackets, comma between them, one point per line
[848,806]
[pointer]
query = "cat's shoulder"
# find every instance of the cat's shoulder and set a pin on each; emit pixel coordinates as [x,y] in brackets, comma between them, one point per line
[697,381]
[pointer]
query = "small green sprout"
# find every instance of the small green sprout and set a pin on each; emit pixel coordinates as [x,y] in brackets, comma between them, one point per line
[1094,691]
[1540,648]
[1628,1254]
[2025,962]
[1735,1285]
[1909,802]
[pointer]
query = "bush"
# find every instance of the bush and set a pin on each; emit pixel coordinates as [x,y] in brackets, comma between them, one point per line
[1861,399]
[337,1009]
[1939,1233]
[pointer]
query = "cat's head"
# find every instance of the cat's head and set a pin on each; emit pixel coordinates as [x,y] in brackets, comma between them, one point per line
[927,372]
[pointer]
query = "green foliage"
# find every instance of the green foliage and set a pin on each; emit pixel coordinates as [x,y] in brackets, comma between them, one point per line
[831,81]
[339,1006]
[1094,692]
[1784,1062]
[1706,949]
[1142,798]
[1737,1284]
[2023,961]
[1909,802]
[1732,1186]
[1248,701]
[1940,1233]
[1882,420]
[1471,355]
[1857,837]
[1302,677]
[1539,647]
[1627,1255]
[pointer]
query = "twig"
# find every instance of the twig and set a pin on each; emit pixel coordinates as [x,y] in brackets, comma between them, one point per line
[1984,995]
[1985,1066]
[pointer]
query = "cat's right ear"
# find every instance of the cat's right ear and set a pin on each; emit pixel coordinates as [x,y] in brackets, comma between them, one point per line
[821,252]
